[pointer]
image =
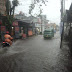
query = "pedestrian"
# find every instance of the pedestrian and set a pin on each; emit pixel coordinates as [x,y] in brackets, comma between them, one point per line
[21,34]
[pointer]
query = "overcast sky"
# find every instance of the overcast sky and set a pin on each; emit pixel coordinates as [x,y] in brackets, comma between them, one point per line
[52,10]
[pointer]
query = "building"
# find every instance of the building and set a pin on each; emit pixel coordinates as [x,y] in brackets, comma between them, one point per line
[43,22]
[66,24]
[20,16]
[65,18]
[46,24]
[40,22]
[2,7]
[37,22]
[51,25]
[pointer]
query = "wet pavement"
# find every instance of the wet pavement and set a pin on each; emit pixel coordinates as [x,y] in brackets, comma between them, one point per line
[36,54]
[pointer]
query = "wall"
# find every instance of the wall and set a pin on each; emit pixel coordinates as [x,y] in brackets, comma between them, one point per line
[2,6]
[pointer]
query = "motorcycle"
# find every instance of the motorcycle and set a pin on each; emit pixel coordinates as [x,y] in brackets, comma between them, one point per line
[5,44]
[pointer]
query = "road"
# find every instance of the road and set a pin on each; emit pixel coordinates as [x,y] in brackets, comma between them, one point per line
[36,54]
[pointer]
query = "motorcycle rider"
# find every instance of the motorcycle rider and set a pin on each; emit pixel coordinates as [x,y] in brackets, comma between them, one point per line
[8,38]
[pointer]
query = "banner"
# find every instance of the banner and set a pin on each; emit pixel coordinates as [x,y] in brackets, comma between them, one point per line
[15,23]
[0,22]
[16,28]
[3,28]
[61,27]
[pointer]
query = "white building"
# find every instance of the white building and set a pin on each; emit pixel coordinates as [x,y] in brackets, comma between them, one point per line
[37,22]
[43,22]
[20,16]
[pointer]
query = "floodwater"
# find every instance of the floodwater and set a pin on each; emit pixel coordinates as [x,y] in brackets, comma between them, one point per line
[36,54]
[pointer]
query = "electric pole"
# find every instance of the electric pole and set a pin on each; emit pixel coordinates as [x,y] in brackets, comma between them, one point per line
[62,21]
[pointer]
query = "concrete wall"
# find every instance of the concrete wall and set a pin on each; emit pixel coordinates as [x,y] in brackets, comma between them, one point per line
[2,6]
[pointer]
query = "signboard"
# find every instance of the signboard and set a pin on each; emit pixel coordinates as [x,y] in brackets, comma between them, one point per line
[24,35]
[61,27]
[16,28]
[39,21]
[17,32]
[30,33]
[3,28]
[0,22]
[15,23]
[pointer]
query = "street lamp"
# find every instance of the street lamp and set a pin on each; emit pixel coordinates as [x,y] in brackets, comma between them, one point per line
[12,27]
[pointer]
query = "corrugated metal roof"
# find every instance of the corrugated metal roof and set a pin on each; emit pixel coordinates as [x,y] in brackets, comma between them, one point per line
[26,21]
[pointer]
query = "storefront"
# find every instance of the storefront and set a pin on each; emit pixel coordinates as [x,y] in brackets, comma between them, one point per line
[15,30]
[31,29]
[26,27]
[23,27]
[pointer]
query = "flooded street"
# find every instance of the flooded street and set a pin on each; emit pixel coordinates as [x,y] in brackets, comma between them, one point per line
[36,54]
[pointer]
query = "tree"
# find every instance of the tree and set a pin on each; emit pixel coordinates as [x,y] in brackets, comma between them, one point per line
[40,2]
[7,21]
[15,3]
[8,6]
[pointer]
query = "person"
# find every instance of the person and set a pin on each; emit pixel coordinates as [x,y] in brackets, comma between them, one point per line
[21,34]
[8,38]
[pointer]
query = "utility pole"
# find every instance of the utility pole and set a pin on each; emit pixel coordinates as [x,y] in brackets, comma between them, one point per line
[41,23]
[41,27]
[62,21]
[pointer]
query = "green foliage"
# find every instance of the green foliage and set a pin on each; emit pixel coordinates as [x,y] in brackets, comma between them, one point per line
[8,6]
[15,3]
[32,6]
[38,1]
[8,19]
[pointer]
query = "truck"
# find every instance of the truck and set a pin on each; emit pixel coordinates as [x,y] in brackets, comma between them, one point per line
[48,32]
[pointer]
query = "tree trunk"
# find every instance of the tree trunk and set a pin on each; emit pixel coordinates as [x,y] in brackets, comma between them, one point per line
[13,10]
[62,36]
[10,11]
